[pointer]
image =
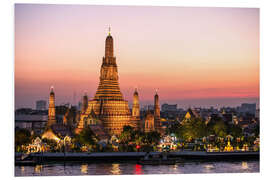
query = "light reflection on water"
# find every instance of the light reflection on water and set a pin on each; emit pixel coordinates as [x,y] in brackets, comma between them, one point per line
[69,169]
[244,165]
[38,169]
[22,169]
[84,168]
[115,169]
[208,168]
[138,169]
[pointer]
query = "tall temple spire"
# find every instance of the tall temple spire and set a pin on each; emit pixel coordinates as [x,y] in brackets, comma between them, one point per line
[136,105]
[51,110]
[156,103]
[84,103]
[108,86]
[108,103]
[51,90]
[157,112]
[136,121]
[109,45]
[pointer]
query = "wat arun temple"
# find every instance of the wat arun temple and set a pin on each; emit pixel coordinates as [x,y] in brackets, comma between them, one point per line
[108,109]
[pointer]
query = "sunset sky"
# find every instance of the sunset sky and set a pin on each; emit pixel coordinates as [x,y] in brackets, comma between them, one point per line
[193,56]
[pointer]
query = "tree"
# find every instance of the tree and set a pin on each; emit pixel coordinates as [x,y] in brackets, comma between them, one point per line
[127,135]
[153,137]
[138,137]
[173,128]
[86,137]
[192,129]
[199,127]
[234,130]
[128,128]
[22,137]
[257,130]
[220,128]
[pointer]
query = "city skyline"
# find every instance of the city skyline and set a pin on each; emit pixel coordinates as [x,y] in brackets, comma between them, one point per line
[62,42]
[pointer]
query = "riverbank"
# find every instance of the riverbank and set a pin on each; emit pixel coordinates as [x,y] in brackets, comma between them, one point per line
[129,156]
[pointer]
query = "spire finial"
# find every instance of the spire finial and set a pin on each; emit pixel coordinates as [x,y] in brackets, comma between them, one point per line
[52,88]
[109,30]
[156,91]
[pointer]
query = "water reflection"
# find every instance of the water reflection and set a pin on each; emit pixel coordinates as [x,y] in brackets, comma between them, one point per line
[115,169]
[22,169]
[133,168]
[84,168]
[209,168]
[138,169]
[38,169]
[244,165]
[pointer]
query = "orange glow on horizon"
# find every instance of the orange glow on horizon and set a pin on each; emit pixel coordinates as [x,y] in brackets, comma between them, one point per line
[212,53]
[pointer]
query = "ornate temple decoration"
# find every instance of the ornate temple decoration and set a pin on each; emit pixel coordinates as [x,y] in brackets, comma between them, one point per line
[51,110]
[149,122]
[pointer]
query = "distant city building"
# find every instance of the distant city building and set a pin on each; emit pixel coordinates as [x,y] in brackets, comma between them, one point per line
[30,111]
[35,122]
[227,110]
[168,107]
[150,107]
[79,105]
[41,105]
[227,117]
[213,110]
[247,108]
[257,114]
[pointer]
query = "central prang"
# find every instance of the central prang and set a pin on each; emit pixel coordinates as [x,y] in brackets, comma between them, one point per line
[108,104]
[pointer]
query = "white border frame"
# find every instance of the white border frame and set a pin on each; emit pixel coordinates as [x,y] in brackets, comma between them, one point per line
[7,79]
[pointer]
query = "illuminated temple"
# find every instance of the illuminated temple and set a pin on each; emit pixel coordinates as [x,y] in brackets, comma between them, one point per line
[53,129]
[108,103]
[108,112]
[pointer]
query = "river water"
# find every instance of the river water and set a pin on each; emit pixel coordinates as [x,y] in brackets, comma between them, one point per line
[117,168]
